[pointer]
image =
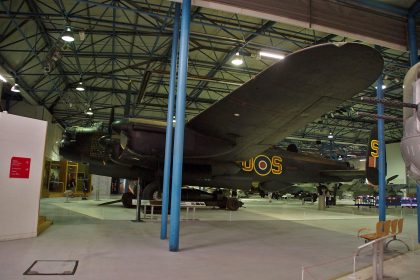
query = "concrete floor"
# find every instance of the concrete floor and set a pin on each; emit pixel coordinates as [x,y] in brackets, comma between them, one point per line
[262,241]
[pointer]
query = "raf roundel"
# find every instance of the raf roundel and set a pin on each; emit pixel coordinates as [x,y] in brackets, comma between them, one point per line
[262,165]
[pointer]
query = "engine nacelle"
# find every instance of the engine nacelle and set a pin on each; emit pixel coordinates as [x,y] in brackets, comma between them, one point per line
[410,143]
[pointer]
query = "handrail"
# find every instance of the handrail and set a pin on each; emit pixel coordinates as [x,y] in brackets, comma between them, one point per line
[376,265]
[371,243]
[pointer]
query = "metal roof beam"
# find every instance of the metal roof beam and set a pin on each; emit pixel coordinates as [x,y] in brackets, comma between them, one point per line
[225,59]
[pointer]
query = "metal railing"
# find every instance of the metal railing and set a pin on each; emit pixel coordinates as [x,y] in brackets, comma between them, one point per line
[377,261]
[377,257]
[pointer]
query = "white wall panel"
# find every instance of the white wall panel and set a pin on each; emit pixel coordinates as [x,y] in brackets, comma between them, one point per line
[19,197]
[101,183]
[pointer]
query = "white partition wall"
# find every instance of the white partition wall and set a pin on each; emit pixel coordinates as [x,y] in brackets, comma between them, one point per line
[22,144]
[101,184]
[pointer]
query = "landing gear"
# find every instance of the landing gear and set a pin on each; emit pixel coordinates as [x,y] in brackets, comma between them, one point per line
[233,204]
[127,200]
[152,191]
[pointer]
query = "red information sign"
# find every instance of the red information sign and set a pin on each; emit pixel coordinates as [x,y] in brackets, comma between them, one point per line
[20,167]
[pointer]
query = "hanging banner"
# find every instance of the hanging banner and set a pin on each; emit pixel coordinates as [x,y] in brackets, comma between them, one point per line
[20,167]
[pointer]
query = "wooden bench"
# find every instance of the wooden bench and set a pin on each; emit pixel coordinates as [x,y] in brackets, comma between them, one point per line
[396,229]
[384,228]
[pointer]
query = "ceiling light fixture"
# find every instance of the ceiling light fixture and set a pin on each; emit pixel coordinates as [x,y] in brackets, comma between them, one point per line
[330,136]
[383,87]
[80,87]
[15,88]
[236,114]
[272,55]
[237,60]
[89,112]
[68,35]
[3,79]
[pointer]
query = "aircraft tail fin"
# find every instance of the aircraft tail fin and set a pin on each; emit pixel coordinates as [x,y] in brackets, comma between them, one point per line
[372,158]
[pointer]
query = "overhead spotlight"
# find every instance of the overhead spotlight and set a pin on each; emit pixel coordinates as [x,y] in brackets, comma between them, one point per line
[237,60]
[271,55]
[330,136]
[15,88]
[3,79]
[68,35]
[236,114]
[80,87]
[383,87]
[89,112]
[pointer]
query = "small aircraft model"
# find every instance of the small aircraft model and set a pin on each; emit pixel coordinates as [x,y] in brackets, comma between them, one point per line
[232,143]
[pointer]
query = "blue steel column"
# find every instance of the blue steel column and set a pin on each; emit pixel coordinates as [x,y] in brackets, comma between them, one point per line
[169,125]
[412,42]
[179,128]
[412,46]
[381,140]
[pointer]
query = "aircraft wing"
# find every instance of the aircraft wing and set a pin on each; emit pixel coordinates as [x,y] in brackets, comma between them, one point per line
[288,95]
[344,175]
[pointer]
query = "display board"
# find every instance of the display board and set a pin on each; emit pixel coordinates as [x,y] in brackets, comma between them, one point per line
[22,142]
[101,184]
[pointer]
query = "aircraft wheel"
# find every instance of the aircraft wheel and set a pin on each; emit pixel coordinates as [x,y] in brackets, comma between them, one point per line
[233,204]
[127,199]
[152,191]
[222,203]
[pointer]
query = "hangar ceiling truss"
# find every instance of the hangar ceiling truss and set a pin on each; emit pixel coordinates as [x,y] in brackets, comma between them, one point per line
[121,53]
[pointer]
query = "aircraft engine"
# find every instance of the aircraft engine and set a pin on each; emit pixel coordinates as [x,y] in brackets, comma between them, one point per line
[410,143]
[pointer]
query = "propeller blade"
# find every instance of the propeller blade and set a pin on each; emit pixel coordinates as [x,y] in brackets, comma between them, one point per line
[391,178]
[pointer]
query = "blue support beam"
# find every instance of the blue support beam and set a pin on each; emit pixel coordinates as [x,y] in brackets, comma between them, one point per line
[412,40]
[179,128]
[381,140]
[418,211]
[169,125]
[412,46]
[414,9]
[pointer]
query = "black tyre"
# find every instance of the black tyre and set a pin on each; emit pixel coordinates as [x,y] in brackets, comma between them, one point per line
[152,191]
[233,204]
[222,203]
[127,200]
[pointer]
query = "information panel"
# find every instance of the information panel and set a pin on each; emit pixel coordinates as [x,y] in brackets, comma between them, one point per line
[20,167]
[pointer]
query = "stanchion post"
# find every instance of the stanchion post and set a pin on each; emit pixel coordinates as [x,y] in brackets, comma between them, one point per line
[375,261]
[138,206]
[380,259]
